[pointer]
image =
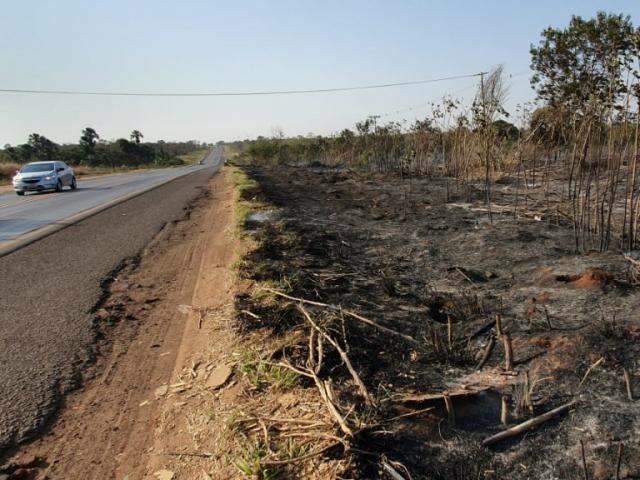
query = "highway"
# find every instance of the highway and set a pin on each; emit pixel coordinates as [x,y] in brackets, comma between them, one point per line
[49,286]
[20,216]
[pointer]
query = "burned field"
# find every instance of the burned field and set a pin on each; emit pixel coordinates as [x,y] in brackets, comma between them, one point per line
[402,327]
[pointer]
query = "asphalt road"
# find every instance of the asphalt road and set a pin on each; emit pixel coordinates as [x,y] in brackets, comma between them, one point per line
[48,288]
[20,215]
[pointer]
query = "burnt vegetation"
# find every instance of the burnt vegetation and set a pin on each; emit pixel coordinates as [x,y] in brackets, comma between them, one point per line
[456,300]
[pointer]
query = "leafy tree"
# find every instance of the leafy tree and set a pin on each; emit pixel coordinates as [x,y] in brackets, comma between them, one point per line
[41,147]
[88,141]
[136,136]
[505,130]
[584,63]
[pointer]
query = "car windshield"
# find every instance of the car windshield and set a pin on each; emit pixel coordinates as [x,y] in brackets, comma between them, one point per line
[37,167]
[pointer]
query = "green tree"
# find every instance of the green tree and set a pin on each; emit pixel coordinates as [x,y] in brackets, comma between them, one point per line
[87,142]
[41,147]
[505,130]
[583,64]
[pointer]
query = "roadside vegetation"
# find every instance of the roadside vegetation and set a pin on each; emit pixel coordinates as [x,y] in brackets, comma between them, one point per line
[453,299]
[95,155]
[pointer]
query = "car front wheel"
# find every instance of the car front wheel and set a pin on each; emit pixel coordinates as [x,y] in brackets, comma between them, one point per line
[19,193]
[74,184]
[59,186]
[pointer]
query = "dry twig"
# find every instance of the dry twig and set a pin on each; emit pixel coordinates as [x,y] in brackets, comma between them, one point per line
[349,313]
[529,424]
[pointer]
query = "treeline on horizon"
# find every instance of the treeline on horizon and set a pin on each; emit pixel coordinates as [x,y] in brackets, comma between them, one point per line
[92,151]
[580,137]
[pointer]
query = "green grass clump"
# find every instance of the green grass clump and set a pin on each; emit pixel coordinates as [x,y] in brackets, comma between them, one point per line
[263,375]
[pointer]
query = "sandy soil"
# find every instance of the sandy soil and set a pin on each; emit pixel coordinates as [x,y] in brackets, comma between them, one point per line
[162,343]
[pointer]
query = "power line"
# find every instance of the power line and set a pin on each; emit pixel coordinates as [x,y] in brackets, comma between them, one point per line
[234,94]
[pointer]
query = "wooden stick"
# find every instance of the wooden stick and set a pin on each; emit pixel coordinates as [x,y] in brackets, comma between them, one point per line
[487,353]
[449,333]
[351,314]
[393,473]
[627,381]
[529,424]
[508,353]
[584,461]
[449,406]
[547,317]
[619,461]
[504,410]
[527,392]
[498,325]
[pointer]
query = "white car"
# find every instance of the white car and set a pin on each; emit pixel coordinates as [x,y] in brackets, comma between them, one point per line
[40,176]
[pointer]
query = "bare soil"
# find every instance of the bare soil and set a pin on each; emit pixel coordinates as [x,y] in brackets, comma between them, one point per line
[424,258]
[163,335]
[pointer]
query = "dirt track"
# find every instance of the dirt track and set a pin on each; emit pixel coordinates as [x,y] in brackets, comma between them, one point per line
[113,427]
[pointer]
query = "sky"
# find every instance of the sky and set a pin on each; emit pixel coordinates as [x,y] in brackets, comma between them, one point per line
[214,46]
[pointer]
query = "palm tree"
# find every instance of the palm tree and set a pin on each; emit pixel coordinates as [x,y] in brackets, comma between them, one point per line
[136,135]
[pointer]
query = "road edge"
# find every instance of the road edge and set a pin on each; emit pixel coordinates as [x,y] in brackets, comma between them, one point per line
[40,233]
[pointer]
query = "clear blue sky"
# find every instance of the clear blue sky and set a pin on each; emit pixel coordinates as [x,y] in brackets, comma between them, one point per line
[205,45]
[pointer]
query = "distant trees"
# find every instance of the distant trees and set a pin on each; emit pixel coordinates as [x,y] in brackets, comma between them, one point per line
[91,151]
[42,147]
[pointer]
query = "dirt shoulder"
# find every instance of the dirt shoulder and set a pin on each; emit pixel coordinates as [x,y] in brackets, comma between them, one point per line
[161,344]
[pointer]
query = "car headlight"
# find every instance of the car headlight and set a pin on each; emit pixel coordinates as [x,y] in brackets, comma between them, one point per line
[49,177]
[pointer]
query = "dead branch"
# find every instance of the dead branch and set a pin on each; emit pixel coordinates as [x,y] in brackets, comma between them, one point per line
[584,461]
[499,325]
[487,353]
[529,424]
[619,460]
[589,371]
[349,313]
[508,353]
[504,410]
[345,358]
[451,413]
[483,329]
[426,398]
[391,471]
[627,381]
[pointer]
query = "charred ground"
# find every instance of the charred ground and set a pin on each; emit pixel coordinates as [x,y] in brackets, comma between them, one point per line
[427,260]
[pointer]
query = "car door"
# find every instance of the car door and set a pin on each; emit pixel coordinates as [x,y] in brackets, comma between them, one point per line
[64,174]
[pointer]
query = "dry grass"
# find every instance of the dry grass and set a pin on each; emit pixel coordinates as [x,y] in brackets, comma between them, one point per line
[7,170]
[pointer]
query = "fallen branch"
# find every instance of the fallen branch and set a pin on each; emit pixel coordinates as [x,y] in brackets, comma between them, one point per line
[391,471]
[349,313]
[483,329]
[345,358]
[529,424]
[437,397]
